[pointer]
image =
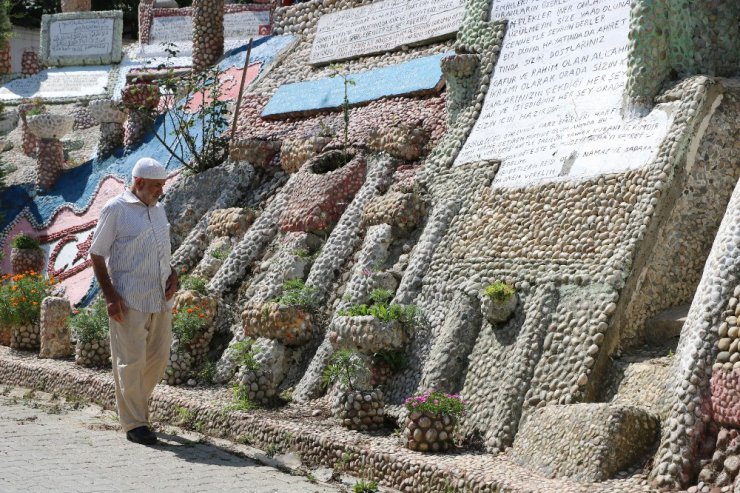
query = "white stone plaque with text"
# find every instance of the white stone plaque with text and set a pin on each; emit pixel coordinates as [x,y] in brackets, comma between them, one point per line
[81,37]
[178,30]
[384,26]
[59,83]
[553,108]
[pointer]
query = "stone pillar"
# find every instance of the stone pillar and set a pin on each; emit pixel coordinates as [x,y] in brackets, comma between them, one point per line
[30,63]
[30,142]
[141,100]
[76,5]
[208,33]
[23,260]
[49,129]
[55,338]
[110,117]
[5,67]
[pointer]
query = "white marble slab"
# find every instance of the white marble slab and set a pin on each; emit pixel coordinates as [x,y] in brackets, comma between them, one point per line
[81,37]
[73,82]
[553,109]
[384,26]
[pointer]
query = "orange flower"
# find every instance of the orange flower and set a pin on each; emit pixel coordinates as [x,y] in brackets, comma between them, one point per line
[190,310]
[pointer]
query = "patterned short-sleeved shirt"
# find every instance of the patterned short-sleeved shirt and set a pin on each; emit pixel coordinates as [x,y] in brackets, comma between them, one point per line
[135,240]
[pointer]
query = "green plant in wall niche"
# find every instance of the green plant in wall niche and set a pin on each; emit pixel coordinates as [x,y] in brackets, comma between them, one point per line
[194,283]
[381,296]
[499,291]
[363,486]
[344,367]
[25,242]
[245,354]
[220,253]
[296,293]
[338,71]
[396,360]
[91,324]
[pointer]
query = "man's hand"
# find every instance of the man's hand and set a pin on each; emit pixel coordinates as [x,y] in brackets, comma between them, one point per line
[171,286]
[116,308]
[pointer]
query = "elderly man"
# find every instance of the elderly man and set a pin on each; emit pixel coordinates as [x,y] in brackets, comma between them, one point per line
[130,253]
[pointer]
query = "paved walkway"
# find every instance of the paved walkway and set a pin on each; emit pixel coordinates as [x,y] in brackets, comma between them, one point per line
[47,444]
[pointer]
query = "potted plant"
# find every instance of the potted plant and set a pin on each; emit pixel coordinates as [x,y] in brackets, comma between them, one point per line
[286,318]
[356,409]
[90,329]
[20,308]
[498,301]
[192,330]
[26,255]
[373,328]
[431,420]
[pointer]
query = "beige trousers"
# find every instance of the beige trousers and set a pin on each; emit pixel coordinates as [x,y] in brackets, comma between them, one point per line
[140,350]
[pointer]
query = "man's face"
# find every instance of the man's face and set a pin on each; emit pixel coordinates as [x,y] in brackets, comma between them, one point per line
[149,191]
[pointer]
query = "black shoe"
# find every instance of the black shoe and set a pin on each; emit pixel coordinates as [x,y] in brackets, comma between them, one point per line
[142,435]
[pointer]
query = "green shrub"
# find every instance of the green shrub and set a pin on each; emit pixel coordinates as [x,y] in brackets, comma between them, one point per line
[91,323]
[296,293]
[395,359]
[499,291]
[194,283]
[363,486]
[244,353]
[187,322]
[380,296]
[220,253]
[344,366]
[21,296]
[25,242]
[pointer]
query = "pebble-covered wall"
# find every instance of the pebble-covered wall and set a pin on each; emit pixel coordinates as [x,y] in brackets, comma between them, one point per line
[579,253]
[685,37]
[683,432]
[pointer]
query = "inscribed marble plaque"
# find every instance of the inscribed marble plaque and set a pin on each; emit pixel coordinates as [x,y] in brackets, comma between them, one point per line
[384,26]
[553,108]
[59,83]
[82,38]
[171,29]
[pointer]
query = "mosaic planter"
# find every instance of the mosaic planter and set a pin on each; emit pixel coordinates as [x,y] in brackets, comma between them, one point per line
[360,409]
[232,222]
[49,129]
[495,311]
[55,333]
[323,189]
[367,334]
[185,357]
[399,209]
[25,336]
[429,432]
[290,325]
[111,119]
[94,353]
[26,260]
[295,153]
[30,141]
[141,100]
[259,387]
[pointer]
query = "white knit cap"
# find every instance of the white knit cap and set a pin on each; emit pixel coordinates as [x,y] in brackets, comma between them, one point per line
[149,169]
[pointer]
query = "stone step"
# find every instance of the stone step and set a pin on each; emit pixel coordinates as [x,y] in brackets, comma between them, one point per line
[667,324]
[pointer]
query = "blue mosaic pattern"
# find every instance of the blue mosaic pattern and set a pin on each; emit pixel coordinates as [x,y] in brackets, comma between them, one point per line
[415,76]
[77,186]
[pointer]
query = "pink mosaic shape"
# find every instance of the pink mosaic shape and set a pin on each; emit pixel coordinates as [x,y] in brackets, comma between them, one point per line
[726,396]
[320,197]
